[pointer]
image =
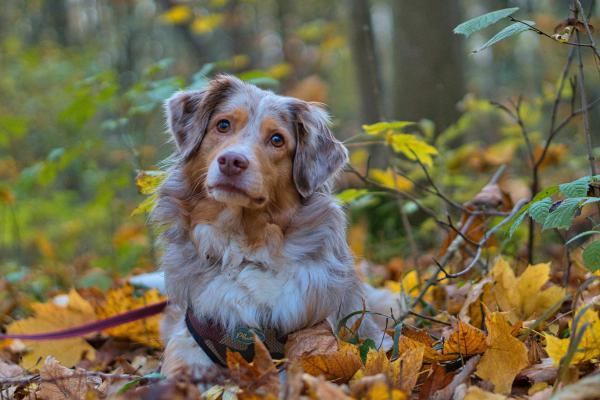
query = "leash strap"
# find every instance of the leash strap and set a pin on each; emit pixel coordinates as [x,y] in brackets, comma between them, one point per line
[81,330]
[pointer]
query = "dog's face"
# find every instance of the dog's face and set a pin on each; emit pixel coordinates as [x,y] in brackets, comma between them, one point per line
[243,146]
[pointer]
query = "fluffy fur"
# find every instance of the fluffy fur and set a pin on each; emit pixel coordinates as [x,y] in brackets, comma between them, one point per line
[272,251]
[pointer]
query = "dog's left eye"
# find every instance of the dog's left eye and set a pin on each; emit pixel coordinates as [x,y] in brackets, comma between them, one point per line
[277,140]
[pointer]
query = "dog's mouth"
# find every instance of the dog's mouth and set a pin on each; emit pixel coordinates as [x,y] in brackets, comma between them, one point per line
[231,189]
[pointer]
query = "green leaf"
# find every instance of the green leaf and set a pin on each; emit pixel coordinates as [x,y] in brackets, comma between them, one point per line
[145,206]
[540,209]
[154,376]
[591,256]
[581,235]
[549,191]
[364,348]
[511,30]
[562,216]
[518,220]
[577,188]
[349,195]
[473,25]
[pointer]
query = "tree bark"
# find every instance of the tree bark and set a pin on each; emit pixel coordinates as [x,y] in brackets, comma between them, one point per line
[367,71]
[428,61]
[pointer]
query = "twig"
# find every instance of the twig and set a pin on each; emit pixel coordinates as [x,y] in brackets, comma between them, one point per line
[487,236]
[540,32]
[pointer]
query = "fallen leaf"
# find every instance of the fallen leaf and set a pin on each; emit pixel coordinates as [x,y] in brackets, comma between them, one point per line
[117,301]
[59,382]
[588,348]
[465,340]
[475,393]
[259,377]
[339,366]
[523,296]
[319,388]
[505,357]
[64,311]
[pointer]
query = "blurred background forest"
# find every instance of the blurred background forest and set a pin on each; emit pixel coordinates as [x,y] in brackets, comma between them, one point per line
[82,84]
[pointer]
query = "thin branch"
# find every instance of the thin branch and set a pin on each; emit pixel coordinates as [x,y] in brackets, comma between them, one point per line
[540,32]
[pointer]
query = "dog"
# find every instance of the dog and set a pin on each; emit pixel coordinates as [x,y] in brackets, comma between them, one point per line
[254,242]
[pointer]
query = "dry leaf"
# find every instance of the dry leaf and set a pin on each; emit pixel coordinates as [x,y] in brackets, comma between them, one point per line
[258,377]
[62,312]
[319,388]
[120,300]
[475,393]
[59,382]
[505,357]
[339,366]
[318,339]
[588,348]
[523,296]
[465,340]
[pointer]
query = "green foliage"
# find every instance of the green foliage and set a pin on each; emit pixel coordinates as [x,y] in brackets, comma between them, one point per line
[560,214]
[511,30]
[473,25]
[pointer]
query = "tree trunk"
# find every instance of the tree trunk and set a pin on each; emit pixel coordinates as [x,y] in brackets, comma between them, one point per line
[428,61]
[367,71]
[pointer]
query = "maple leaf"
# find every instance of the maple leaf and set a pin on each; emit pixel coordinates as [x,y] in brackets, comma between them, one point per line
[505,356]
[589,346]
[64,311]
[523,296]
[120,300]
[318,339]
[465,340]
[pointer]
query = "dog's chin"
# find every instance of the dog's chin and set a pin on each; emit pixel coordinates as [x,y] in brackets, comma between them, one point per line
[235,197]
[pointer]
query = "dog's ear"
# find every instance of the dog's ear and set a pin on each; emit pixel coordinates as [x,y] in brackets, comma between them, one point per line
[319,155]
[189,112]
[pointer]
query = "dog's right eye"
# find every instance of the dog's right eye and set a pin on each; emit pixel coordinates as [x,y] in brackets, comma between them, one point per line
[223,125]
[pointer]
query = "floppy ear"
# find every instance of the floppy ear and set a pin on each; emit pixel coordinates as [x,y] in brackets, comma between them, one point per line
[181,109]
[319,155]
[188,113]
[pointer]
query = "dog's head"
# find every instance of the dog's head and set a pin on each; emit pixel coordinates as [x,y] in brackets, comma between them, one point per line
[244,146]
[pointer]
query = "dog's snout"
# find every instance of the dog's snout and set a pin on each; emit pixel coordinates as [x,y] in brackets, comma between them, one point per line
[232,163]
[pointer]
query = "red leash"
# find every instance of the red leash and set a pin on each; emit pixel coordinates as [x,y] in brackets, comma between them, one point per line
[110,322]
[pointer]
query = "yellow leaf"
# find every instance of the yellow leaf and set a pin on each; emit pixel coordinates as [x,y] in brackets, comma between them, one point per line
[145,206]
[381,391]
[505,357]
[339,366]
[465,340]
[207,23]
[148,181]
[523,296]
[280,70]
[122,299]
[64,311]
[381,128]
[475,393]
[391,180]
[412,147]
[588,348]
[176,15]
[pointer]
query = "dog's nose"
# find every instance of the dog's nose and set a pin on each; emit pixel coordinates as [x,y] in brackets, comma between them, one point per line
[232,163]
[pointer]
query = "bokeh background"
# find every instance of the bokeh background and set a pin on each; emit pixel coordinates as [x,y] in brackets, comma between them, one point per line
[82,83]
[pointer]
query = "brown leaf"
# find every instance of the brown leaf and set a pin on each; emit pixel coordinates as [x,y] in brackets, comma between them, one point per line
[319,388]
[59,382]
[318,339]
[438,379]
[260,376]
